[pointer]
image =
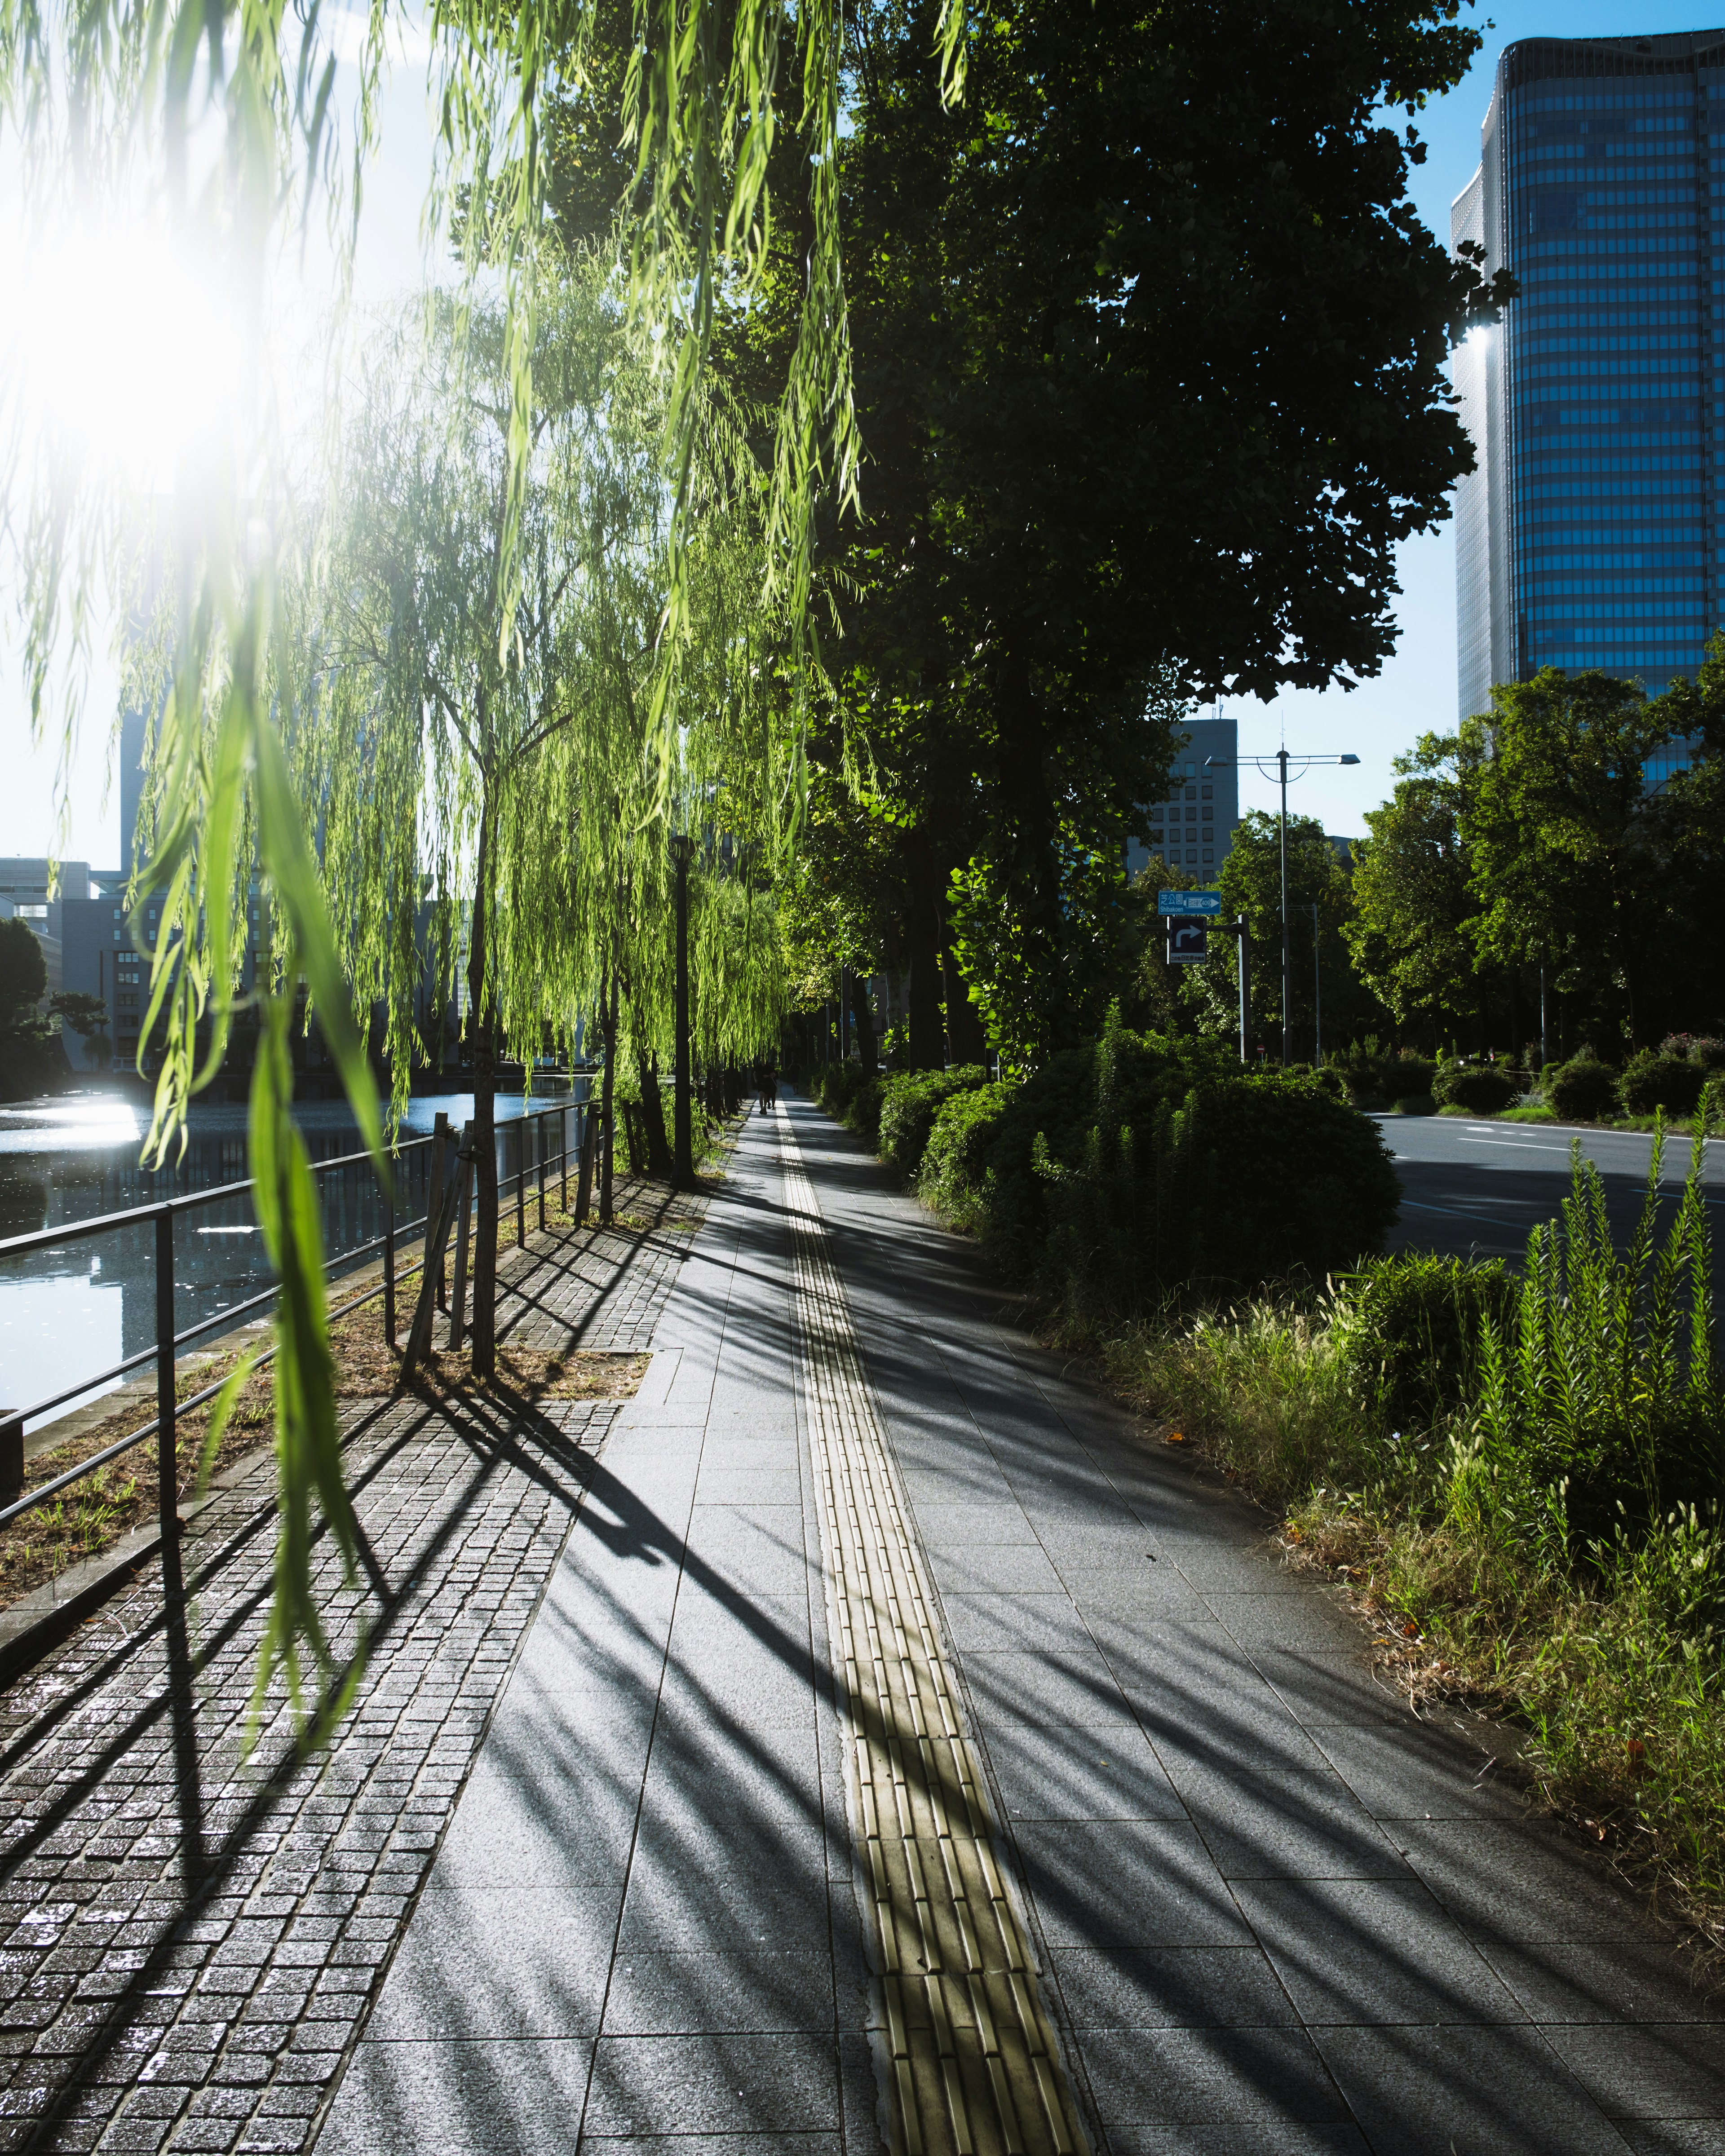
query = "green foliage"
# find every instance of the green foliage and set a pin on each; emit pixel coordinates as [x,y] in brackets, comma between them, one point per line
[1410,885]
[1409,1328]
[84,1014]
[1652,1081]
[23,972]
[1250,883]
[1143,1167]
[1479,1087]
[1582,1090]
[1407,1077]
[908,1107]
[1374,1073]
[1600,1406]
[955,1160]
[852,1098]
[1570,854]
[1523,1472]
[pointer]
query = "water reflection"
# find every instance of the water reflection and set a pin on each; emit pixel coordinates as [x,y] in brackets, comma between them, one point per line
[69,1310]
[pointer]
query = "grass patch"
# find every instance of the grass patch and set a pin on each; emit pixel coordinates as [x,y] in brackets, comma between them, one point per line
[1620,1693]
[1517,1477]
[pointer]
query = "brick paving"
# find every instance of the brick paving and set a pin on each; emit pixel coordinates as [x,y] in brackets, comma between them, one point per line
[189,1937]
[596,1288]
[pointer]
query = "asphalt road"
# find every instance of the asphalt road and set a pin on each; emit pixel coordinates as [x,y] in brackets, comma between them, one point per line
[1479,1188]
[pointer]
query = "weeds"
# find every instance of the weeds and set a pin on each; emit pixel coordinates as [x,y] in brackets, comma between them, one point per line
[1519,1480]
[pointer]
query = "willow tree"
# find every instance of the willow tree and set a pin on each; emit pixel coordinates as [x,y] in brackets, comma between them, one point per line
[484,733]
[227,117]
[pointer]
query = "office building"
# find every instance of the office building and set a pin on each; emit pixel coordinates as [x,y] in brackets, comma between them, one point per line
[1193,828]
[1589,534]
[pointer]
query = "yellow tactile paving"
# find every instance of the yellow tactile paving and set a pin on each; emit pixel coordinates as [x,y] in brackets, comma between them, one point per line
[971,2059]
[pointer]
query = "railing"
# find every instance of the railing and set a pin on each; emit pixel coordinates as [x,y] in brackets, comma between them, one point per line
[168,1342]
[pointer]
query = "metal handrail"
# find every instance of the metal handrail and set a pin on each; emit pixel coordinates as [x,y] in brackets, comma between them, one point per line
[43,1491]
[168,1340]
[48,1239]
[224,1317]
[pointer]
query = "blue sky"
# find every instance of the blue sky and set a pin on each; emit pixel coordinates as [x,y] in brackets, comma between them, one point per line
[1414,694]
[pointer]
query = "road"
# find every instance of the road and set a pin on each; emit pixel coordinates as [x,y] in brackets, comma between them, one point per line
[1479,1188]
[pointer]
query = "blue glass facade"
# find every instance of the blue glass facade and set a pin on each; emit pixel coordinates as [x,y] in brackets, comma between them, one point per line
[1591,534]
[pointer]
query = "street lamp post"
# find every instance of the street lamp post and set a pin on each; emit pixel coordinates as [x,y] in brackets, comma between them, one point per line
[1262,763]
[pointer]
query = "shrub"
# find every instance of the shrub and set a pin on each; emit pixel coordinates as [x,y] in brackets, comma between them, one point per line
[1582,1090]
[1477,1087]
[850,1097]
[1408,1330]
[1652,1081]
[1188,1180]
[1700,1047]
[908,1104]
[1123,1079]
[1362,1068]
[1408,1078]
[1599,1404]
[954,1163]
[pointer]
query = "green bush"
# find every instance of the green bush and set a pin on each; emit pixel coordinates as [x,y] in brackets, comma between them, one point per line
[1582,1090]
[851,1097]
[1408,1078]
[908,1106]
[1478,1087]
[1600,1402]
[1143,1167]
[954,1163]
[1651,1082]
[1408,1330]
[1362,1069]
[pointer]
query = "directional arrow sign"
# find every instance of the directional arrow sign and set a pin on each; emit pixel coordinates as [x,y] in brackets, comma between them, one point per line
[1187,941]
[1171,903]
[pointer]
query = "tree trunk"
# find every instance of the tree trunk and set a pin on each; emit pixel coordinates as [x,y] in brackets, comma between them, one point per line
[965,1037]
[484,1129]
[927,1048]
[607,1103]
[862,1018]
[659,1152]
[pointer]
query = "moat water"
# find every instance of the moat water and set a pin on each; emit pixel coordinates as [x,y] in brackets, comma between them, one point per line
[72,1309]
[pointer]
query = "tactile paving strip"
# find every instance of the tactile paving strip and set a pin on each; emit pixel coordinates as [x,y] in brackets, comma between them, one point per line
[970,2056]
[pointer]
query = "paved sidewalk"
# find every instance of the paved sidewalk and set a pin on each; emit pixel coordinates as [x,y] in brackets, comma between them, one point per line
[1276,1912]
[189,1941]
[1266,1909]
[604,1860]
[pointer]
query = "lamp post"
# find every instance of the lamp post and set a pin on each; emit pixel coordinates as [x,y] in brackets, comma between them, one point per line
[1280,760]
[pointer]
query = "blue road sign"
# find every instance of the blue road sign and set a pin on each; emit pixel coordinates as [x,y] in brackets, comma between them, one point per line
[1171,903]
[1187,941]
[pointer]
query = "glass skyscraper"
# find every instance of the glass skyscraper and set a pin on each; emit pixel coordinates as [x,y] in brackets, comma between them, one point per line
[1592,532]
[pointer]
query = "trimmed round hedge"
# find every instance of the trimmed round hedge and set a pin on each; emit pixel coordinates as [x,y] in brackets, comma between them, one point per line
[1652,1081]
[1582,1090]
[1477,1087]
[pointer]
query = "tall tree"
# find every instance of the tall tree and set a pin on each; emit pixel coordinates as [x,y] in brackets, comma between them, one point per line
[503,757]
[1568,853]
[1149,354]
[1411,887]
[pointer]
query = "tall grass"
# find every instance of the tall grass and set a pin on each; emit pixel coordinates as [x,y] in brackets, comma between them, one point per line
[1520,1479]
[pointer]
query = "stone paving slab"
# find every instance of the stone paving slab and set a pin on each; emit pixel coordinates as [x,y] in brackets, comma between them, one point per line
[669,1733]
[190,1937]
[1276,1910]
